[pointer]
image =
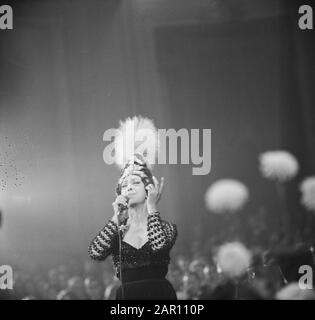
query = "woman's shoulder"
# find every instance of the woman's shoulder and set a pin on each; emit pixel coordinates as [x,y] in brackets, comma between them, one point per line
[168,224]
[169,227]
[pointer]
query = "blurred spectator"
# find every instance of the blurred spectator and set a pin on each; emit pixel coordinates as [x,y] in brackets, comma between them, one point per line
[194,276]
[175,276]
[76,288]
[183,263]
[191,286]
[111,289]
[94,289]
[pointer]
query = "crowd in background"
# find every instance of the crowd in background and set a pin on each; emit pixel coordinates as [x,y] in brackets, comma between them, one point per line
[194,276]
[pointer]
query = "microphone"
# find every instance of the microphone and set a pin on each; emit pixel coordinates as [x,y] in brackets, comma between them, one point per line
[123,217]
[122,207]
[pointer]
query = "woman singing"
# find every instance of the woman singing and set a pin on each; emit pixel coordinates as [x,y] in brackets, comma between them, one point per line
[146,241]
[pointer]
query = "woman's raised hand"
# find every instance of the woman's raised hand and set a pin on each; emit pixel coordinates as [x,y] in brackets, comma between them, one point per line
[154,194]
[119,201]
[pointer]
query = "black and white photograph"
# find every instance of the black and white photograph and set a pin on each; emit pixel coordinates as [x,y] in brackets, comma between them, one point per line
[159,150]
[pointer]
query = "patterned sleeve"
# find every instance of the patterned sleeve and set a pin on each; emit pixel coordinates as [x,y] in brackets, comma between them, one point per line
[102,245]
[161,234]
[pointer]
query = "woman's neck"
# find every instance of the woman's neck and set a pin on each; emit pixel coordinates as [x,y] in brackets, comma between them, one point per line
[138,214]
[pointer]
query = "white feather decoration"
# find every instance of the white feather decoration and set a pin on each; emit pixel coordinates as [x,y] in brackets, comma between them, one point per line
[226,195]
[278,165]
[233,259]
[307,187]
[136,135]
[293,291]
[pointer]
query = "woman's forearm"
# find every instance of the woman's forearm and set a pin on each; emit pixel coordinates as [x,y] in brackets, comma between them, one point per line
[102,245]
[161,234]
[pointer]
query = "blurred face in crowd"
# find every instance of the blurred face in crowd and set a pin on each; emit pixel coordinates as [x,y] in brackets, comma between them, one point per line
[192,283]
[94,289]
[63,280]
[51,293]
[183,263]
[76,288]
[200,267]
[107,278]
[175,276]
[63,276]
[53,277]
[209,273]
[42,288]
[133,188]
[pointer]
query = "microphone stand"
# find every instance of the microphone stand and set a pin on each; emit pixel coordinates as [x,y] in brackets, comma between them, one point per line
[121,228]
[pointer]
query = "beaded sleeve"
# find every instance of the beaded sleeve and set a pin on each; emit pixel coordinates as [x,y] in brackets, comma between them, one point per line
[161,234]
[102,245]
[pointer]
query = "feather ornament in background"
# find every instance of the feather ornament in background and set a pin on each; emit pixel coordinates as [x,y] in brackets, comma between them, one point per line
[226,195]
[136,135]
[307,187]
[278,165]
[293,291]
[233,259]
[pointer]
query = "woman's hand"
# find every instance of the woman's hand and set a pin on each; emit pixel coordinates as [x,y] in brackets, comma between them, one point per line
[154,194]
[118,215]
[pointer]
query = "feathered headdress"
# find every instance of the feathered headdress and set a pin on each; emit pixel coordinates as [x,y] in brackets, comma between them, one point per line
[136,148]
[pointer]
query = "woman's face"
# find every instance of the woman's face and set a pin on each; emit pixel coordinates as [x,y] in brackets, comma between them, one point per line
[133,188]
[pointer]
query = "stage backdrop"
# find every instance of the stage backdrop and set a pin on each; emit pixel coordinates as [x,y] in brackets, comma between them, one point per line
[72,69]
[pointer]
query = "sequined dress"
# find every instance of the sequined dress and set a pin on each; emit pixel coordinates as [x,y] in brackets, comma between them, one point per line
[143,269]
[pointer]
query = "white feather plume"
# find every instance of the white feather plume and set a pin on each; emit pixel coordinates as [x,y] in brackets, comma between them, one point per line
[233,259]
[307,187]
[293,291]
[136,135]
[226,195]
[278,165]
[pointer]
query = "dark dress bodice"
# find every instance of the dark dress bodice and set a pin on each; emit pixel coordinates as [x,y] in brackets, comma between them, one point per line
[143,269]
[142,258]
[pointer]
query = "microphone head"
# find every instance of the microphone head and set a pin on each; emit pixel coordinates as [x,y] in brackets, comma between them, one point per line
[123,212]
[127,198]
[123,207]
